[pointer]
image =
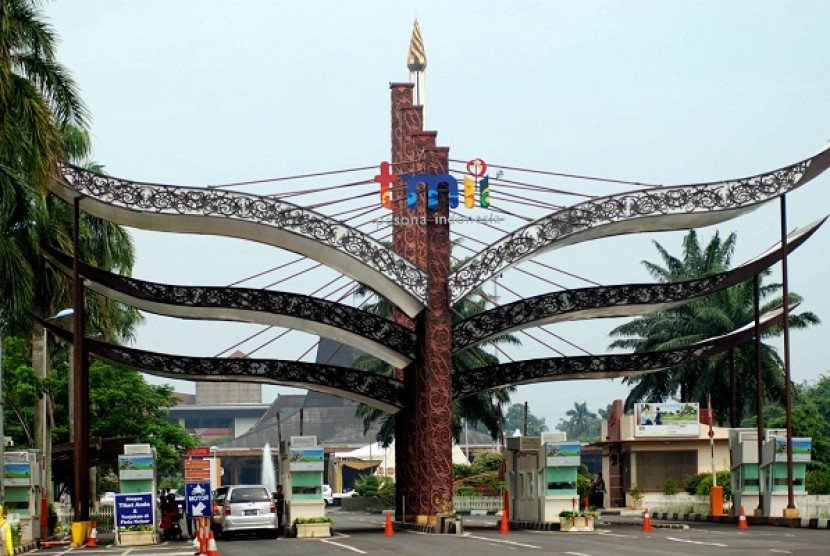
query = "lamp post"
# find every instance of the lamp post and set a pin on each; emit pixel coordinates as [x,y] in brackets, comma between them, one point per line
[44,430]
[80,395]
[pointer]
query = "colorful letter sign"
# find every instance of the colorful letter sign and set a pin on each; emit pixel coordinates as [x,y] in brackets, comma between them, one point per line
[477,168]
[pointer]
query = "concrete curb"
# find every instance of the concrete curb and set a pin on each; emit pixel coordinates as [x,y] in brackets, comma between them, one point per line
[801,523]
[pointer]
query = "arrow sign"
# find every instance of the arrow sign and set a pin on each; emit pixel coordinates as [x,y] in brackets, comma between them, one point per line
[198,500]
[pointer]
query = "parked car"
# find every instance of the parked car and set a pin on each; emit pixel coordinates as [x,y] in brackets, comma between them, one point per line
[243,508]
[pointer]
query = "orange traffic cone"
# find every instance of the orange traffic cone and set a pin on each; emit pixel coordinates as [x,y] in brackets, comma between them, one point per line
[196,542]
[742,524]
[389,531]
[646,521]
[211,549]
[504,528]
[92,542]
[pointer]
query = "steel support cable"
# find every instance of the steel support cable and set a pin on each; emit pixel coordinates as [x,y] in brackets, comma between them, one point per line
[517,268]
[311,175]
[533,187]
[563,175]
[301,192]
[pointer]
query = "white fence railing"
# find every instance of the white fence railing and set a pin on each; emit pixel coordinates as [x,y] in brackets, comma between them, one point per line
[810,506]
[469,503]
[102,516]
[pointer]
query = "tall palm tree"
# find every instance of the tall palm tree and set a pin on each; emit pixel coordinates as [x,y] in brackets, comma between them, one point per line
[580,422]
[714,315]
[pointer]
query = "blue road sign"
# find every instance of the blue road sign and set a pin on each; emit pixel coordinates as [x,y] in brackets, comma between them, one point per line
[197,497]
[134,509]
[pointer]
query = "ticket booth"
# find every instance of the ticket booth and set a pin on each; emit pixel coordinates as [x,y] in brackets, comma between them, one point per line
[745,471]
[774,495]
[21,481]
[135,504]
[301,474]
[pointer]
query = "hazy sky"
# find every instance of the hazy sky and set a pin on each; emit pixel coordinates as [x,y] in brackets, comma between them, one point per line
[201,92]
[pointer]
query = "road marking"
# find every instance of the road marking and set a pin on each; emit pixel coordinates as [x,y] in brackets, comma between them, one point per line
[697,542]
[346,546]
[578,554]
[606,533]
[781,551]
[511,543]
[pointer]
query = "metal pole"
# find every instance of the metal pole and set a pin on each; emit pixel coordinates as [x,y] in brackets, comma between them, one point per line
[759,383]
[47,427]
[788,380]
[712,440]
[80,400]
[733,387]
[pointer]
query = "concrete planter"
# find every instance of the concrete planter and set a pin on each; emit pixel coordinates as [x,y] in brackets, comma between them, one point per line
[136,538]
[576,524]
[313,530]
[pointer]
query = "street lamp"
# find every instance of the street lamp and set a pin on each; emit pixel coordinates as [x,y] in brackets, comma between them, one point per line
[44,431]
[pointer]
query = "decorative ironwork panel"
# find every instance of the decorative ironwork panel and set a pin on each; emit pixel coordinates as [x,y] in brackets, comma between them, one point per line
[653,209]
[275,215]
[612,301]
[229,303]
[375,390]
[600,366]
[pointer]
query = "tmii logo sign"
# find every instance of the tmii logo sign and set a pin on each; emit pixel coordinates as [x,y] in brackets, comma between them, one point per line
[476,182]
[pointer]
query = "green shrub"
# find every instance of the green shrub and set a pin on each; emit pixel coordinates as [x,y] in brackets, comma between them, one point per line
[487,461]
[670,488]
[817,482]
[702,483]
[17,535]
[301,520]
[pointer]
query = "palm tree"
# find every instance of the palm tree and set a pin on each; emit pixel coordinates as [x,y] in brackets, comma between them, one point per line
[714,315]
[581,422]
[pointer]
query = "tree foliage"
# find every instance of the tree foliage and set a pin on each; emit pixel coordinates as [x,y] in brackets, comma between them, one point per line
[581,424]
[514,419]
[714,315]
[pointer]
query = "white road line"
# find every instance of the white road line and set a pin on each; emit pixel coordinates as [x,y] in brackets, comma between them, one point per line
[606,533]
[578,554]
[697,542]
[511,543]
[781,551]
[346,546]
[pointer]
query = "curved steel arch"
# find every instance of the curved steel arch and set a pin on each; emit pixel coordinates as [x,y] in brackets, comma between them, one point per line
[365,331]
[648,210]
[612,301]
[378,391]
[240,215]
[600,366]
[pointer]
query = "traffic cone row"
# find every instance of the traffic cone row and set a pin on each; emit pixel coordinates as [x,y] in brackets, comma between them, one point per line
[742,523]
[646,521]
[389,530]
[92,542]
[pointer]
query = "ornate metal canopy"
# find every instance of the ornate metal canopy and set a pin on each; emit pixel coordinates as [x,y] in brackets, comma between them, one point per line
[612,301]
[365,331]
[374,390]
[600,366]
[253,217]
[649,210]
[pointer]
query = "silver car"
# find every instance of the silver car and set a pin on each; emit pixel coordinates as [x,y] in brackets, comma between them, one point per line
[240,508]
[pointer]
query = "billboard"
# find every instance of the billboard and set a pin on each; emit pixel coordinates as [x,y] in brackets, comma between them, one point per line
[17,473]
[562,454]
[667,419]
[135,467]
[801,449]
[306,459]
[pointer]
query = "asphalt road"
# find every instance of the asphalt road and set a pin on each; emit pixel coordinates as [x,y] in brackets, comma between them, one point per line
[356,534]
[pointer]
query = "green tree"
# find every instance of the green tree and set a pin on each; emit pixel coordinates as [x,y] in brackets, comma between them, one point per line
[581,424]
[514,420]
[715,315]
[37,99]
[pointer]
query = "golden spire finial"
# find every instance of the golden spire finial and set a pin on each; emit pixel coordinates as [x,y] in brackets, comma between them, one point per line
[416,60]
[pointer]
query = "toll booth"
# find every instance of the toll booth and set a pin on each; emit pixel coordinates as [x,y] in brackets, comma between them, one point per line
[745,470]
[301,474]
[774,495]
[21,482]
[541,476]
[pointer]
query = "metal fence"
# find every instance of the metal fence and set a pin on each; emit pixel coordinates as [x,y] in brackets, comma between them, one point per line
[102,516]
[468,503]
[810,506]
